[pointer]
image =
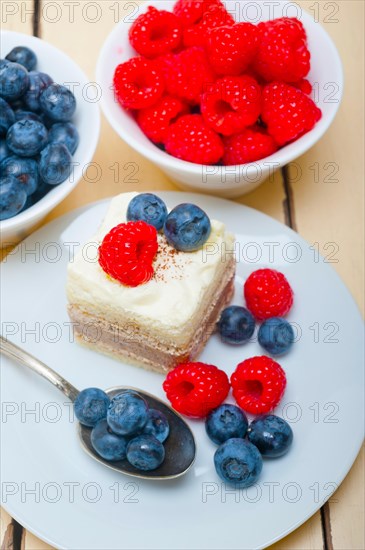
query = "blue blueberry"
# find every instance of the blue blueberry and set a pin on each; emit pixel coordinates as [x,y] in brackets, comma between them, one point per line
[27,138]
[28,203]
[55,164]
[24,56]
[24,169]
[145,452]
[157,425]
[12,197]
[7,117]
[271,435]
[108,445]
[90,406]
[225,422]
[276,335]
[26,115]
[66,133]
[148,208]
[14,80]
[38,82]
[238,462]
[127,413]
[236,325]
[187,227]
[4,150]
[42,190]
[58,103]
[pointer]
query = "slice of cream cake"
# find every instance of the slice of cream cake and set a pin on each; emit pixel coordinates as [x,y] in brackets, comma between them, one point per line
[164,321]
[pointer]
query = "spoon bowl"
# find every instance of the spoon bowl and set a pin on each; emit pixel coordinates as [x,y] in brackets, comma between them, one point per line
[180,448]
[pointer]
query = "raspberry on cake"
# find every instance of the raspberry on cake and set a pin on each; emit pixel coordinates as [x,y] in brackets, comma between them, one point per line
[164,320]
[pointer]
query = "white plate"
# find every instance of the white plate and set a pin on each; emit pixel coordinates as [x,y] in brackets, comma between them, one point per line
[56,491]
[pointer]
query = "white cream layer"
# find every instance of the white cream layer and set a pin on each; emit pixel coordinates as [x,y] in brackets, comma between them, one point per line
[168,304]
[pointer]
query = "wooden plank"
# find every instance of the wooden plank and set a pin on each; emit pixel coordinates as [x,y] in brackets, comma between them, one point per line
[328,197]
[6,531]
[17,16]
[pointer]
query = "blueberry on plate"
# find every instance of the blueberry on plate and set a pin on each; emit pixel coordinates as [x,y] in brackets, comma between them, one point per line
[14,80]
[238,462]
[90,406]
[24,56]
[20,114]
[7,117]
[108,445]
[271,434]
[66,133]
[187,227]
[145,452]
[236,325]
[38,82]
[58,103]
[148,208]
[276,335]
[226,422]
[12,197]
[27,138]
[55,164]
[24,169]
[127,413]
[4,150]
[157,425]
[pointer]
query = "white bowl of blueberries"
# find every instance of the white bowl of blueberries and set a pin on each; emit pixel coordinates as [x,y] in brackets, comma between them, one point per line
[48,131]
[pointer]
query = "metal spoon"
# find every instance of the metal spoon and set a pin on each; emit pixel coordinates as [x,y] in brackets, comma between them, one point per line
[180,446]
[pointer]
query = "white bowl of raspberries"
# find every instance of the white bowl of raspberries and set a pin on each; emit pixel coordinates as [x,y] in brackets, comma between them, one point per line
[49,131]
[220,94]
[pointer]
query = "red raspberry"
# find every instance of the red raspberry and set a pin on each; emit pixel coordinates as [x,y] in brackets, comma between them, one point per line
[155,32]
[258,384]
[282,54]
[187,74]
[155,121]
[191,11]
[304,85]
[192,140]
[232,49]
[138,83]
[127,252]
[197,34]
[287,112]
[232,104]
[249,146]
[195,389]
[268,294]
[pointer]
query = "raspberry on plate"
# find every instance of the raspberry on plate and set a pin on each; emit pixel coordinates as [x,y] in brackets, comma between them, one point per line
[249,146]
[268,294]
[232,104]
[138,83]
[258,384]
[155,121]
[187,74]
[127,252]
[195,389]
[191,139]
[282,53]
[232,49]
[191,11]
[155,33]
[288,112]
[216,16]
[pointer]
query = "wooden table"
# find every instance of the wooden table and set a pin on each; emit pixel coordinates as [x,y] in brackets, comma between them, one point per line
[320,196]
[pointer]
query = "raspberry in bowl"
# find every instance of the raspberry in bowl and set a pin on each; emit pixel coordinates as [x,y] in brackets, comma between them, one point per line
[195,88]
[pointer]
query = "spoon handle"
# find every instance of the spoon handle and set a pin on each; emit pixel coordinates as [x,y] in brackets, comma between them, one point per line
[14,352]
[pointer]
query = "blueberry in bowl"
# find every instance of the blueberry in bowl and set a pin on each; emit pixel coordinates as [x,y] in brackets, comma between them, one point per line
[33,119]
